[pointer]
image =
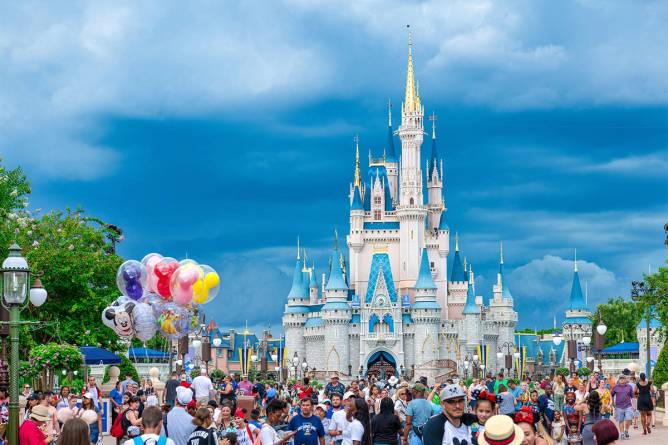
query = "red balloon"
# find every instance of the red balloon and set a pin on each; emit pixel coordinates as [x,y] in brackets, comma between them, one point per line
[164,271]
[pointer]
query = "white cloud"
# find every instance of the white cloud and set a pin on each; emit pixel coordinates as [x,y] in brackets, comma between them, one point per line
[653,164]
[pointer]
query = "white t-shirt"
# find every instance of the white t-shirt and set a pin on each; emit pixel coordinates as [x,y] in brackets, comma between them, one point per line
[338,423]
[352,431]
[149,439]
[268,435]
[456,436]
[242,435]
[201,385]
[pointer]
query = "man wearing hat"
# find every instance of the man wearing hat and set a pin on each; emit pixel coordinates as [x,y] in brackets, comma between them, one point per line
[179,422]
[30,432]
[418,412]
[453,425]
[334,386]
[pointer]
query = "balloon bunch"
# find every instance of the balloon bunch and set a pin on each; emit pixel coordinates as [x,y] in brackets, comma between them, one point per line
[160,294]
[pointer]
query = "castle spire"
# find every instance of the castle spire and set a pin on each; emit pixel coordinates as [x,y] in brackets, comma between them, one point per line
[358,175]
[575,261]
[298,248]
[389,113]
[411,100]
[456,242]
[500,252]
[433,118]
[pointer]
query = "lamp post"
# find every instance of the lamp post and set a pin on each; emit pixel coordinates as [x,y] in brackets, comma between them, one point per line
[646,295]
[15,283]
[467,363]
[599,341]
[304,367]
[295,365]
[277,369]
[509,346]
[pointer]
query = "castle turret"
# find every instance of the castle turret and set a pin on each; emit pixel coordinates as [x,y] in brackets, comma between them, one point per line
[313,286]
[501,311]
[577,323]
[434,182]
[391,161]
[472,315]
[296,311]
[336,314]
[411,210]
[426,313]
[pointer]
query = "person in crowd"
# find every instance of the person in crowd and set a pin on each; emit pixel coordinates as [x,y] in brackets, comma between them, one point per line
[202,386]
[130,420]
[516,392]
[244,387]
[321,411]
[151,423]
[558,428]
[63,397]
[606,399]
[501,430]
[418,412]
[31,431]
[546,407]
[203,434]
[74,432]
[116,401]
[559,386]
[401,405]
[92,388]
[485,407]
[386,425]
[453,425]
[500,380]
[645,405]
[179,422]
[126,382]
[622,394]
[31,402]
[336,404]
[633,382]
[653,395]
[489,383]
[507,402]
[339,418]
[592,415]
[570,386]
[581,394]
[227,392]
[169,393]
[363,416]
[26,391]
[305,390]
[90,414]
[255,418]
[46,399]
[605,432]
[225,419]
[307,427]
[268,434]
[571,416]
[525,420]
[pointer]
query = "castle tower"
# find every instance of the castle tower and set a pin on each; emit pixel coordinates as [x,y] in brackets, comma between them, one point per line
[411,210]
[501,310]
[313,286]
[296,311]
[426,314]
[336,314]
[391,161]
[577,323]
[472,317]
[457,286]
[434,181]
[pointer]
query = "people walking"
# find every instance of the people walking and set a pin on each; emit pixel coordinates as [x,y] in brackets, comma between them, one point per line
[645,403]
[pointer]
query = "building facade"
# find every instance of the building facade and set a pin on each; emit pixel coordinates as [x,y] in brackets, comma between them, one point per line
[392,305]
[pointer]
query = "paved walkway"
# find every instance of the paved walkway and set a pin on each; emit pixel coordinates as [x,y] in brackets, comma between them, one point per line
[658,436]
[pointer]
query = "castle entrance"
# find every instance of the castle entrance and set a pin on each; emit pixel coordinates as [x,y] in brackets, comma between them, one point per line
[381,365]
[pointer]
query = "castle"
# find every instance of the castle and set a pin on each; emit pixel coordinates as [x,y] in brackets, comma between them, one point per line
[395,308]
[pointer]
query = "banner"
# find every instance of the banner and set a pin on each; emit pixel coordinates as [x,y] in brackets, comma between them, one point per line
[521,361]
[244,359]
[483,353]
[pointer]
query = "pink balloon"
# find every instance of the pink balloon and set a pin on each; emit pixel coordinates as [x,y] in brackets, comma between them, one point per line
[149,261]
[182,296]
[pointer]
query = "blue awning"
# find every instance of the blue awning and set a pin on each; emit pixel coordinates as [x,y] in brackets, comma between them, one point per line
[137,353]
[99,356]
[623,348]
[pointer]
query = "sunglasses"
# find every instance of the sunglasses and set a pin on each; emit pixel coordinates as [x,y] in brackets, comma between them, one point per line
[455,401]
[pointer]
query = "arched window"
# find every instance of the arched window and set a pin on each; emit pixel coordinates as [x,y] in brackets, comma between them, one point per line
[412,201]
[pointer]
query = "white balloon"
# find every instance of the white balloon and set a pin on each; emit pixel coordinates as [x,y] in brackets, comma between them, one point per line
[144,321]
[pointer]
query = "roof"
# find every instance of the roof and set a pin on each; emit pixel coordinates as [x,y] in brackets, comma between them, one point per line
[470,307]
[297,289]
[315,307]
[406,318]
[299,309]
[136,353]
[576,320]
[367,198]
[505,291]
[335,281]
[388,196]
[98,356]
[313,282]
[335,305]
[576,300]
[357,200]
[355,319]
[314,322]
[380,264]
[391,225]
[425,280]
[533,344]
[425,305]
[434,154]
[622,348]
[458,273]
[442,225]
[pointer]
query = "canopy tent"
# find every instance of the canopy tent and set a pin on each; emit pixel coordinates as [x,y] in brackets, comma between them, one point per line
[623,348]
[98,356]
[139,353]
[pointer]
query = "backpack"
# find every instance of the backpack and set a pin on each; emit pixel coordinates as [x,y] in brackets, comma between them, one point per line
[117,428]
[162,440]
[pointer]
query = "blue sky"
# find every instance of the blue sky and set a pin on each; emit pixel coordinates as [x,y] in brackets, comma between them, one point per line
[222,130]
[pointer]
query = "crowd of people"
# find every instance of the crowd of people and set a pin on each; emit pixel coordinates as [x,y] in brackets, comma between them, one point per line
[495,410]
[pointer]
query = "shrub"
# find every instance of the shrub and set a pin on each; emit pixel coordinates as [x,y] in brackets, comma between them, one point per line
[660,374]
[584,371]
[563,372]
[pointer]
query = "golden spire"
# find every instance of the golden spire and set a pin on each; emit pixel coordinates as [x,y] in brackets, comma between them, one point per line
[358,175]
[412,100]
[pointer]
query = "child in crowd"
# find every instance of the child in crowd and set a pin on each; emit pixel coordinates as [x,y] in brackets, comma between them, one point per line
[484,409]
[558,429]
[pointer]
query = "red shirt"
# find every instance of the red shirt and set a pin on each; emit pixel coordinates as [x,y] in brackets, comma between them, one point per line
[30,434]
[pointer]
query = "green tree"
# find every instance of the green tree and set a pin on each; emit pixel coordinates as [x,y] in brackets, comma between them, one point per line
[660,374]
[621,317]
[659,282]
[77,260]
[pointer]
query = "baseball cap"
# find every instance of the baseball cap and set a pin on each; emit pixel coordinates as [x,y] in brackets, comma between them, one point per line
[88,395]
[322,406]
[452,392]
[419,387]
[183,395]
[347,395]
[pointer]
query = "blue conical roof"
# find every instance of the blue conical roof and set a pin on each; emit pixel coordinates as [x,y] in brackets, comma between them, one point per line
[425,280]
[357,200]
[470,307]
[390,155]
[367,198]
[505,290]
[458,273]
[314,281]
[297,289]
[442,225]
[576,299]
[336,281]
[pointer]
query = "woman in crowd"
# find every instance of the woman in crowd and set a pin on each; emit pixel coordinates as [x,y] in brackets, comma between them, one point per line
[401,404]
[645,406]
[89,414]
[385,425]
[63,398]
[227,392]
[374,393]
[581,393]
[559,386]
[606,399]
[130,422]
[225,422]
[75,432]
[203,434]
[592,415]
[525,420]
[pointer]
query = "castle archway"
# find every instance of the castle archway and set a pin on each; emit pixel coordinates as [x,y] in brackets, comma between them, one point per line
[382,365]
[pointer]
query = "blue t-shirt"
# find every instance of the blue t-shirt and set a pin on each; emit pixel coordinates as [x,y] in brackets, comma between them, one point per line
[271,393]
[420,410]
[330,411]
[116,395]
[308,429]
[517,393]
[546,406]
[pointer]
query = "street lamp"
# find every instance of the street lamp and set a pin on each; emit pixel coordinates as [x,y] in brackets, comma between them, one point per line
[295,364]
[15,283]
[556,339]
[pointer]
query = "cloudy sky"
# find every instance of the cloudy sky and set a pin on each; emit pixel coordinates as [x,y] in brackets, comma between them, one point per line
[222,130]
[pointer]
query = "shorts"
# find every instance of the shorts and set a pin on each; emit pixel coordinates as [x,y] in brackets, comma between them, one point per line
[622,414]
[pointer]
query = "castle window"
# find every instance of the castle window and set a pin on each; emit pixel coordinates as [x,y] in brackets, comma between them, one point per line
[376,199]
[412,201]
[376,215]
